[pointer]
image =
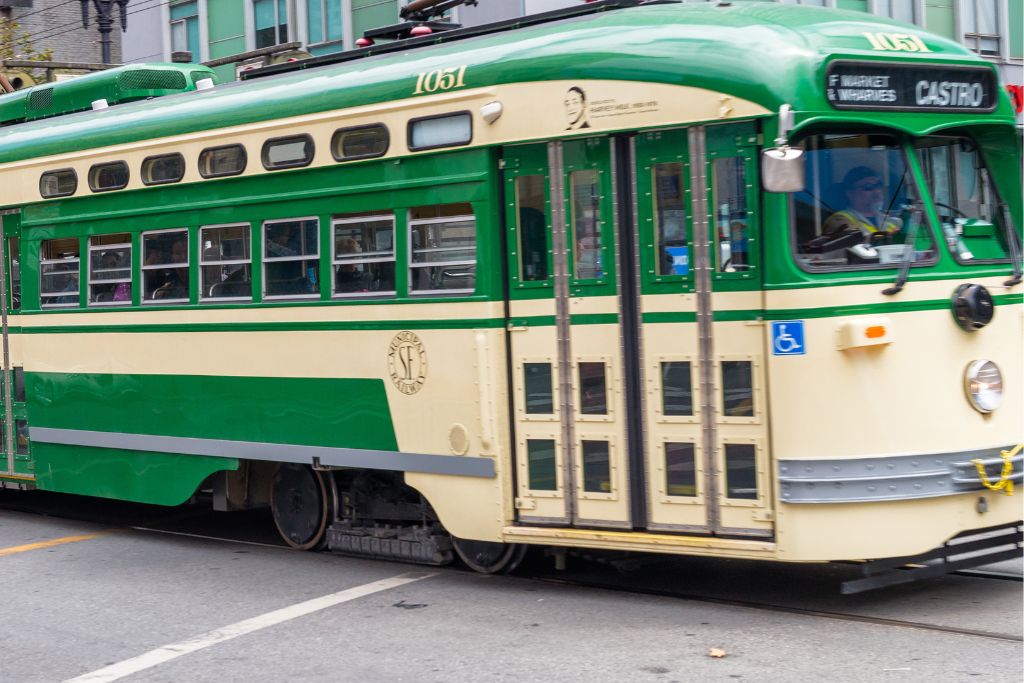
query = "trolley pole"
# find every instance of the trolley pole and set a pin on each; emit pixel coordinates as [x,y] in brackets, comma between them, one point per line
[105,21]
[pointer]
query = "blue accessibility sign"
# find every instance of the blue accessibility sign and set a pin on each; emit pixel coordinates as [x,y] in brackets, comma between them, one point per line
[788,338]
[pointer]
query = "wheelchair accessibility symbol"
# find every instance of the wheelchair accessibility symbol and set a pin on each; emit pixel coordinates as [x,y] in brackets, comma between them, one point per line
[788,338]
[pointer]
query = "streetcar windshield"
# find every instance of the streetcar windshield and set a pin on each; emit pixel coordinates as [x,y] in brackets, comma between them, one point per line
[858,205]
[965,198]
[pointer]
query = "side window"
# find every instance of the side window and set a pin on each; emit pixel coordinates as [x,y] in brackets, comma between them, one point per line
[225,263]
[291,258]
[58,272]
[361,142]
[162,169]
[165,266]
[585,194]
[442,249]
[729,194]
[61,183]
[671,246]
[110,270]
[364,254]
[110,176]
[448,130]
[14,272]
[216,162]
[290,152]
[533,229]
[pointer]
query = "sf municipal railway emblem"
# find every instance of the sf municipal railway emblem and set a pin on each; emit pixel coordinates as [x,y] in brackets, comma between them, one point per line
[407,362]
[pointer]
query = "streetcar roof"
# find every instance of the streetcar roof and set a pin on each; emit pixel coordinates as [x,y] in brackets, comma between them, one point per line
[766,53]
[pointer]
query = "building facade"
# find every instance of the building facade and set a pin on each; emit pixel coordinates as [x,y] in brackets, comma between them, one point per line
[57,25]
[210,29]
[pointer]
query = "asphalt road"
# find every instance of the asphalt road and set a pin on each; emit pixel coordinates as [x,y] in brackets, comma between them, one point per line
[89,601]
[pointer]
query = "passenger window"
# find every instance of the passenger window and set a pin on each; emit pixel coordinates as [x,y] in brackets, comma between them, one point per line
[443,249]
[729,192]
[106,177]
[676,388]
[680,470]
[21,437]
[537,383]
[737,389]
[165,266]
[291,258]
[597,474]
[672,249]
[533,229]
[110,270]
[58,272]
[19,384]
[290,152]
[364,254]
[449,130]
[362,142]
[541,462]
[14,272]
[741,471]
[586,226]
[58,183]
[217,162]
[225,263]
[593,389]
[166,168]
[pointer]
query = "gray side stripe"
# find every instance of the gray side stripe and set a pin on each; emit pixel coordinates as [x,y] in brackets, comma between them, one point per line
[276,452]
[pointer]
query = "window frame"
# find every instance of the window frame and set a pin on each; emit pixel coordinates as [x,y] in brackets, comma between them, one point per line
[310,148]
[335,262]
[163,266]
[42,176]
[419,119]
[95,168]
[971,40]
[264,259]
[352,129]
[77,303]
[245,161]
[155,157]
[203,299]
[90,248]
[411,224]
[917,6]
[288,30]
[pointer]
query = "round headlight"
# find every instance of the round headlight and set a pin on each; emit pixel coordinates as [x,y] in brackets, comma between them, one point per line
[984,385]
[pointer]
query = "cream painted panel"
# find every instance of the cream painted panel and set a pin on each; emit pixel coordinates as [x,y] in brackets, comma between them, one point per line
[851,531]
[531,111]
[669,303]
[858,295]
[859,402]
[589,305]
[468,507]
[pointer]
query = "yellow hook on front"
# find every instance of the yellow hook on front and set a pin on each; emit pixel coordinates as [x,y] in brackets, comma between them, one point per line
[1004,484]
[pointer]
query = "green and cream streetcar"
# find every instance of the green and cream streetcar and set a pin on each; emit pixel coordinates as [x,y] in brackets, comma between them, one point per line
[729,280]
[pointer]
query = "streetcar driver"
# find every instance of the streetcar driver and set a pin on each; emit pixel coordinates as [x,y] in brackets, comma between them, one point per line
[866,211]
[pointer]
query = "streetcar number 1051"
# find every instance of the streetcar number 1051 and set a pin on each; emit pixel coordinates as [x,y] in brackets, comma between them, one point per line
[440,79]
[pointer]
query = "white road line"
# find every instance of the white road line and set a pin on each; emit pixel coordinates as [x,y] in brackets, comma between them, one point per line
[166,653]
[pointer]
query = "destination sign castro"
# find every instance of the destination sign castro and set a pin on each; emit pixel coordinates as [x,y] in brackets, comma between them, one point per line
[850,85]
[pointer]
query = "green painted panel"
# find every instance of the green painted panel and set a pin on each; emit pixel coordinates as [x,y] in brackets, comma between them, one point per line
[350,413]
[939,18]
[155,478]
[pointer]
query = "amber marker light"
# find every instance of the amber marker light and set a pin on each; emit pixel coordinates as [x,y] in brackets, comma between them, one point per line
[874,332]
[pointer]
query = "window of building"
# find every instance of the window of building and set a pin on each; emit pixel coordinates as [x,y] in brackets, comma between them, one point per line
[270,19]
[361,142]
[323,21]
[225,263]
[165,168]
[290,152]
[900,10]
[110,176]
[449,130]
[291,258]
[443,249]
[185,28]
[812,3]
[58,272]
[364,254]
[981,23]
[60,183]
[216,162]
[165,266]
[110,270]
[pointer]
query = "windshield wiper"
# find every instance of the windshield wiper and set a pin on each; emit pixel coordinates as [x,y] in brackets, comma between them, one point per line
[908,250]
[1011,243]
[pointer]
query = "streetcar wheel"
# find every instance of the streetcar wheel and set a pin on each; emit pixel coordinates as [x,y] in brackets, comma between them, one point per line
[301,505]
[490,558]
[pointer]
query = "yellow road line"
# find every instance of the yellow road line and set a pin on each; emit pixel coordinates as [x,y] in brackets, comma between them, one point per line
[53,542]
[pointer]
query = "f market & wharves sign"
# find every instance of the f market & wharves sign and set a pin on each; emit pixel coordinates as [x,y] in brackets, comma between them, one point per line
[855,85]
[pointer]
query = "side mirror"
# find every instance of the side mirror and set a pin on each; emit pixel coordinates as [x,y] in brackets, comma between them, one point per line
[782,169]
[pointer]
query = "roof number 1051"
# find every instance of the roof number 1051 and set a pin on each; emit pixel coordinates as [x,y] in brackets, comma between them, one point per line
[896,42]
[440,80]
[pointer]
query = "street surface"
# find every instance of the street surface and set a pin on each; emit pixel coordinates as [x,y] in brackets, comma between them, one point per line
[88,600]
